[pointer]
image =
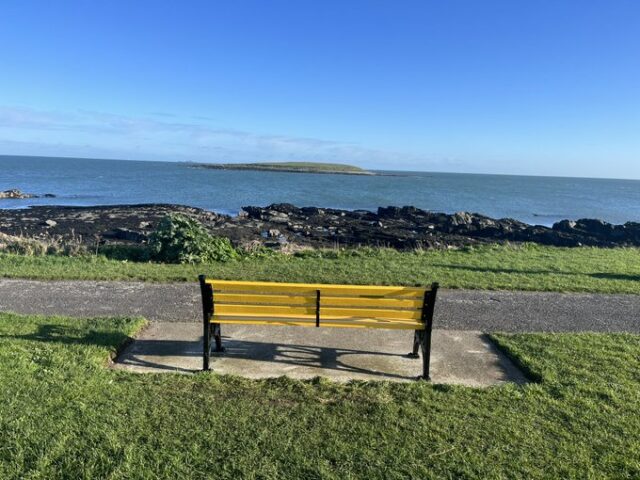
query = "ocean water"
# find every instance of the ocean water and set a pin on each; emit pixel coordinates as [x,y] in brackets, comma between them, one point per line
[537,200]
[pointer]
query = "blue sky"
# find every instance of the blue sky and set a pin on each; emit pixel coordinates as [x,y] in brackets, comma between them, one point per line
[546,87]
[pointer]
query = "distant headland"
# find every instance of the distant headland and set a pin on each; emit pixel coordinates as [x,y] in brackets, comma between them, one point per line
[294,167]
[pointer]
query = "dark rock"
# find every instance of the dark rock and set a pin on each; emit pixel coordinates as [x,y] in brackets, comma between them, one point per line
[389,212]
[128,235]
[285,208]
[594,227]
[253,212]
[564,226]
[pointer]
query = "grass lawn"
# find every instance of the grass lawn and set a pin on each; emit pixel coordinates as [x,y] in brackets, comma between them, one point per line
[63,414]
[528,267]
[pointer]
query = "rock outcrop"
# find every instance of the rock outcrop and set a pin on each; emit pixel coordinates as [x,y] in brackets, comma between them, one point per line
[283,224]
[16,194]
[411,227]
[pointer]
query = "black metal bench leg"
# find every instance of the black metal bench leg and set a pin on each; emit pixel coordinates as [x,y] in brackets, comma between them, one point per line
[426,354]
[207,312]
[425,335]
[206,345]
[217,336]
[416,345]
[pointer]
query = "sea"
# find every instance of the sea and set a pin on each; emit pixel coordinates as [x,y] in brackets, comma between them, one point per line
[535,200]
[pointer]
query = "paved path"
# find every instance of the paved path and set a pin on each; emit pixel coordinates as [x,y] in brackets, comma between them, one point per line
[455,310]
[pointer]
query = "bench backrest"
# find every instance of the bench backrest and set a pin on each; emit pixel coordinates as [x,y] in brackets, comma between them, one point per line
[318,305]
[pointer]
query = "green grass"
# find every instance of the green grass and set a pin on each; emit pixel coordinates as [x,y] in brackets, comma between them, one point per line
[528,267]
[63,414]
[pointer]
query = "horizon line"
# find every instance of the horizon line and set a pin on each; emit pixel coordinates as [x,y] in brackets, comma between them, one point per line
[365,168]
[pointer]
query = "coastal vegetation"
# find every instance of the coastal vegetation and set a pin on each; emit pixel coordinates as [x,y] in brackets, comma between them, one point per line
[181,239]
[294,167]
[496,267]
[64,414]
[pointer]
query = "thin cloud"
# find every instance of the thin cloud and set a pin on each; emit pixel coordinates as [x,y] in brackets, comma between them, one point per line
[68,133]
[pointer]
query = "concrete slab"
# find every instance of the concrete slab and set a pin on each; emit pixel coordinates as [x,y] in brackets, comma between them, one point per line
[458,357]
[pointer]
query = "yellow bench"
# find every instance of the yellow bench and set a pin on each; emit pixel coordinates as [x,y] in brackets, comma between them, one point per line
[317,305]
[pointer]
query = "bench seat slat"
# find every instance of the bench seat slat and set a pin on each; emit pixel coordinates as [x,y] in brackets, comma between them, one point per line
[311,288]
[344,322]
[325,312]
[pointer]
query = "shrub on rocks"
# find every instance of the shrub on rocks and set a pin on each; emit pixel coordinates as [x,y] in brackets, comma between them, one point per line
[182,239]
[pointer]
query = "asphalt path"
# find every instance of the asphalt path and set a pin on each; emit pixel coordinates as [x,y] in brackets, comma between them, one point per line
[487,311]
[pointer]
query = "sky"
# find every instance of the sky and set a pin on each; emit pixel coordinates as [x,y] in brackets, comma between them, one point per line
[545,87]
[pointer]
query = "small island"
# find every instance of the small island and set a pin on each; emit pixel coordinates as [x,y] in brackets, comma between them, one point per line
[294,167]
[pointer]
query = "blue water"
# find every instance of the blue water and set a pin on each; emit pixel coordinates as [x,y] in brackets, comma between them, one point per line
[538,200]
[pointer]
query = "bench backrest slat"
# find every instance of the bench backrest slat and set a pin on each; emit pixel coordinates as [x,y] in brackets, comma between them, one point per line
[311,288]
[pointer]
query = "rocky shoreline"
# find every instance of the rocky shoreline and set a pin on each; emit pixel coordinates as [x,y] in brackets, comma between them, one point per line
[287,226]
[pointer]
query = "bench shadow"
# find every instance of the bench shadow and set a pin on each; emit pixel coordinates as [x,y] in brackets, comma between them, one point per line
[312,357]
[139,352]
[182,356]
[68,335]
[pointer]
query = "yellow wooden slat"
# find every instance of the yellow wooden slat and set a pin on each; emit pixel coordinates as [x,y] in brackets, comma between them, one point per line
[274,323]
[239,298]
[325,312]
[398,326]
[392,303]
[310,288]
[370,312]
[263,310]
[308,322]
[381,322]
[311,318]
